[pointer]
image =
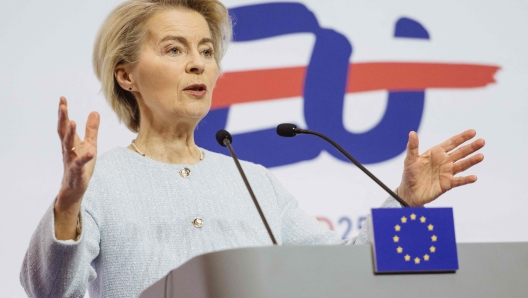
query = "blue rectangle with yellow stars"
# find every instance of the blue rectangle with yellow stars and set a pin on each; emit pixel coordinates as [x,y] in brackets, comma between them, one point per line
[413,240]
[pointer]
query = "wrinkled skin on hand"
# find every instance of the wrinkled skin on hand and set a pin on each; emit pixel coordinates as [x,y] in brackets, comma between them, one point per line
[428,175]
[79,162]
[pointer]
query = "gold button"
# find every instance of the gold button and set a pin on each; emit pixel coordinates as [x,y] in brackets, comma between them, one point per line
[185,172]
[197,222]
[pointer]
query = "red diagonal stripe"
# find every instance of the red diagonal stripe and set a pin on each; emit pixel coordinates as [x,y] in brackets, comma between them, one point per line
[417,76]
[257,85]
[268,84]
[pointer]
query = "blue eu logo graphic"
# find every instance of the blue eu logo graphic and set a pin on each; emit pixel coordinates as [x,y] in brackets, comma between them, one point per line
[324,88]
[414,239]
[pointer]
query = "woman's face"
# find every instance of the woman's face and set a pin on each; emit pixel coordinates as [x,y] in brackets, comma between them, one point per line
[177,71]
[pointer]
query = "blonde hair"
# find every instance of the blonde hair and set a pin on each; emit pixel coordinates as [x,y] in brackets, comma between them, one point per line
[121,36]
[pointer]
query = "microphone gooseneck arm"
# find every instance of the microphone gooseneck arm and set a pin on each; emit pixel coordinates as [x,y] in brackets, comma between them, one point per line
[290,130]
[224,138]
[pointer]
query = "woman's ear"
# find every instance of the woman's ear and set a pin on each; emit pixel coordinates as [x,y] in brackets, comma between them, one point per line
[123,77]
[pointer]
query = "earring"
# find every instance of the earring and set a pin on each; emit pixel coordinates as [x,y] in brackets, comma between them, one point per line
[130,88]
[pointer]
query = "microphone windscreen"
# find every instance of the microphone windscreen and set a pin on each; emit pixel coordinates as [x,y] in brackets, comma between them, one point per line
[286,130]
[221,135]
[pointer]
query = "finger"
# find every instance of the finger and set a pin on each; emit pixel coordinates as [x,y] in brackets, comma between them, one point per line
[412,147]
[62,125]
[465,164]
[92,128]
[459,181]
[457,140]
[68,141]
[467,150]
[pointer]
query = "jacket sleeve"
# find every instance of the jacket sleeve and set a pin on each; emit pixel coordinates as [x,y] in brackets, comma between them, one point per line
[56,268]
[300,229]
[363,236]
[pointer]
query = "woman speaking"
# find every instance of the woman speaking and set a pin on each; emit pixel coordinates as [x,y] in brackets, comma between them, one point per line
[122,221]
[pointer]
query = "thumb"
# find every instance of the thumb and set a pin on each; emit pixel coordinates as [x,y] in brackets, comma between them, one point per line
[412,147]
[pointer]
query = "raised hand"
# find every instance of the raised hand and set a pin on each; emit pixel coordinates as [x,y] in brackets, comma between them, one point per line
[429,175]
[79,162]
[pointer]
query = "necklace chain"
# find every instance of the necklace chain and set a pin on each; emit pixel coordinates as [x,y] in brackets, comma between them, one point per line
[143,154]
[136,148]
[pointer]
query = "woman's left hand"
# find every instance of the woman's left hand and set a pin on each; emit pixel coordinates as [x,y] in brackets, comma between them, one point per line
[427,176]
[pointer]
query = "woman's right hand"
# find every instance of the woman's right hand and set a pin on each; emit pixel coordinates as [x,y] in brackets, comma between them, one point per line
[79,162]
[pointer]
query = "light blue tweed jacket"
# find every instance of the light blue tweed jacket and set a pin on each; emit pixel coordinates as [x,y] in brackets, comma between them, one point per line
[137,224]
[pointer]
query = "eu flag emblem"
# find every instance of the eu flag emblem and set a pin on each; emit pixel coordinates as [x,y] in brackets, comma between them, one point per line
[413,240]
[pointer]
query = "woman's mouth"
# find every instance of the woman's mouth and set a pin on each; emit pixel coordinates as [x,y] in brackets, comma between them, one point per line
[197,90]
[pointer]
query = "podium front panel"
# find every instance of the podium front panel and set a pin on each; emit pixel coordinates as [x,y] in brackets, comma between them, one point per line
[486,270]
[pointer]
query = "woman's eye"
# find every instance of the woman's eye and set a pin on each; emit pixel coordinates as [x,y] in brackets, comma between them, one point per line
[208,53]
[174,51]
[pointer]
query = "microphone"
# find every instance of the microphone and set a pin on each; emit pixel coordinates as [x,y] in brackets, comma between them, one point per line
[291,130]
[223,137]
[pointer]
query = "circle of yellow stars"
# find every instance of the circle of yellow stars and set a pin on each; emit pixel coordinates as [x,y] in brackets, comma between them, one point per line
[418,259]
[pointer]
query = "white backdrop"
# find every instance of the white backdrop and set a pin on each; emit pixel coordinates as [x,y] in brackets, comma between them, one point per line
[46,53]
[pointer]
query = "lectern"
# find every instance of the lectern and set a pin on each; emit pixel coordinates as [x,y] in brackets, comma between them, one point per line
[486,270]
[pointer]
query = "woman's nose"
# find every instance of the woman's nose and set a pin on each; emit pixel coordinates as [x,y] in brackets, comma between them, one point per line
[196,63]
